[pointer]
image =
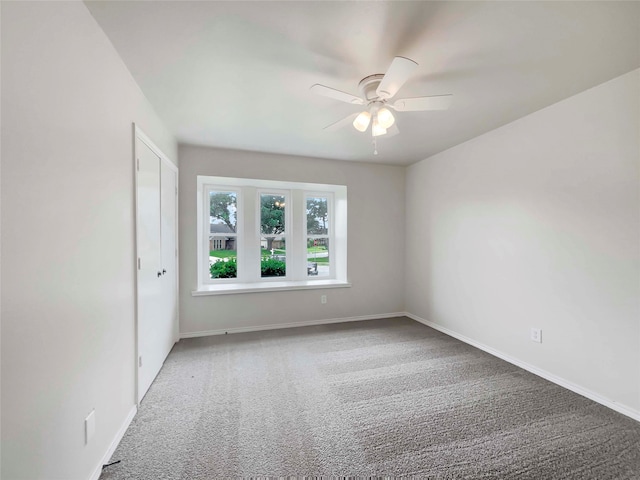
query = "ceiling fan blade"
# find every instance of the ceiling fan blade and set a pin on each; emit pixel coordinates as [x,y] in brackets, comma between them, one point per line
[418,104]
[336,94]
[341,123]
[399,72]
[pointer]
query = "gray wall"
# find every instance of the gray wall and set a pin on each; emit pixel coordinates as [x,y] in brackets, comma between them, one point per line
[68,336]
[537,224]
[375,243]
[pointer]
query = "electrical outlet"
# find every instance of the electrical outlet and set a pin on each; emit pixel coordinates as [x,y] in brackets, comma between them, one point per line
[536,335]
[323,299]
[89,426]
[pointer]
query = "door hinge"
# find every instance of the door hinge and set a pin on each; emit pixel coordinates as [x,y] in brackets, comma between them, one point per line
[140,361]
[137,164]
[176,190]
[138,263]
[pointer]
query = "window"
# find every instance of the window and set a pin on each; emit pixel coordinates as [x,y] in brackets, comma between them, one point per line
[273,234]
[317,235]
[222,232]
[259,235]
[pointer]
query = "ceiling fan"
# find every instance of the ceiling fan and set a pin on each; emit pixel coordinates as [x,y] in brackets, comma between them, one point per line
[376,93]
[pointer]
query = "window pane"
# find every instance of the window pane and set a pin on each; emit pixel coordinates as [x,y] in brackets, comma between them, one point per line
[318,257]
[222,234]
[272,214]
[273,257]
[223,267]
[223,212]
[317,216]
[222,248]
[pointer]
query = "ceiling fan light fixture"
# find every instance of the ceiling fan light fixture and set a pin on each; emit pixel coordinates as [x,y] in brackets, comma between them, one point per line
[362,121]
[385,118]
[376,128]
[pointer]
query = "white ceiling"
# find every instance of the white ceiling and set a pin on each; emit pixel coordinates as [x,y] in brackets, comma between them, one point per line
[237,74]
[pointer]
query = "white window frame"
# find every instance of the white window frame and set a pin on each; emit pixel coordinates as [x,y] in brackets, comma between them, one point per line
[248,235]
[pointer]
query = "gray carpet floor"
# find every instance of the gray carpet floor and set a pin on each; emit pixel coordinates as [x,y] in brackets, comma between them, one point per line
[376,398]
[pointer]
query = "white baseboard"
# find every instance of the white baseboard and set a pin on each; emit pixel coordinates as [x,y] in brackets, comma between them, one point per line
[114,444]
[623,409]
[275,326]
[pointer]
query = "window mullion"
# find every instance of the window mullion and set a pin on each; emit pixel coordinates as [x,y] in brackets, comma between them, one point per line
[250,240]
[297,258]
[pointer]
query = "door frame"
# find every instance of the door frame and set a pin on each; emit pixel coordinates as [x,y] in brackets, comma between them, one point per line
[138,134]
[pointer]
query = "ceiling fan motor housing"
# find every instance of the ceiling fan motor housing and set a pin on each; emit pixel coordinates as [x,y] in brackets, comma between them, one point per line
[368,86]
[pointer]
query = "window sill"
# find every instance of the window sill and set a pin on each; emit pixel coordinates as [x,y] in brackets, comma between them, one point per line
[232,288]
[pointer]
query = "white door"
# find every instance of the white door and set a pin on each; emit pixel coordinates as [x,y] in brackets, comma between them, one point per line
[156,317]
[168,231]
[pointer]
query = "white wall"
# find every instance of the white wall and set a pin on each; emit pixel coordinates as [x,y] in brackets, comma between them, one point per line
[537,224]
[68,104]
[375,242]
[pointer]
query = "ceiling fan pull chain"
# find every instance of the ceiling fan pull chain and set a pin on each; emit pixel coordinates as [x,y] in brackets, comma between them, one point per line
[375,146]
